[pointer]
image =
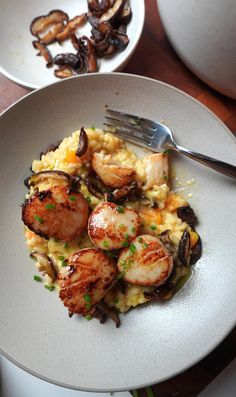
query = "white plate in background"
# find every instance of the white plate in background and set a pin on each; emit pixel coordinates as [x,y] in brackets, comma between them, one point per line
[18,57]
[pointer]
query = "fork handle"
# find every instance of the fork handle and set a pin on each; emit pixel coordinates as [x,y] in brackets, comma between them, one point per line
[217,165]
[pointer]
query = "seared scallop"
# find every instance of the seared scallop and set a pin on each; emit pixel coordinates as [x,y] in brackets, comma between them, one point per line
[86,279]
[157,169]
[56,213]
[112,226]
[146,262]
[112,174]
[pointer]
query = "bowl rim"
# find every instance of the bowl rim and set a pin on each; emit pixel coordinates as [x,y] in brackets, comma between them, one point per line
[130,50]
[207,351]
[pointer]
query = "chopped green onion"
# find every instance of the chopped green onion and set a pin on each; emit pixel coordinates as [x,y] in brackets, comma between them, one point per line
[153,227]
[87,298]
[132,248]
[50,206]
[72,198]
[105,244]
[92,128]
[145,245]
[125,244]
[88,306]
[66,246]
[37,278]
[50,287]
[165,177]
[121,226]
[88,199]
[140,239]
[120,209]
[126,235]
[88,317]
[63,260]
[37,218]
[133,229]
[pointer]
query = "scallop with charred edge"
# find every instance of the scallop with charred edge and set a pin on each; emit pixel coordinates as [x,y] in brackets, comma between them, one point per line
[111,226]
[112,174]
[55,213]
[86,279]
[146,262]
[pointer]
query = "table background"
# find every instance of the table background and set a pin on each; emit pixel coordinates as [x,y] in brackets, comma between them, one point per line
[155,58]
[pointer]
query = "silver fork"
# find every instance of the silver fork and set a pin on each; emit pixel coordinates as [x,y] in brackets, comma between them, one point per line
[157,137]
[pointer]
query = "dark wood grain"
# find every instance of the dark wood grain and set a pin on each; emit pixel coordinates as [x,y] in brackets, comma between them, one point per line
[154,57]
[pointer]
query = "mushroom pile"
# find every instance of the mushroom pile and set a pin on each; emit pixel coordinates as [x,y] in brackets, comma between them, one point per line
[108,20]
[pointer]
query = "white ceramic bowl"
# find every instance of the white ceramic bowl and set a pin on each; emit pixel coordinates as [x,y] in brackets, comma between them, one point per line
[203,33]
[155,341]
[18,57]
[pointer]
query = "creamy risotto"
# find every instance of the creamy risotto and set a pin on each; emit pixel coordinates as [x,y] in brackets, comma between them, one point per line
[121,207]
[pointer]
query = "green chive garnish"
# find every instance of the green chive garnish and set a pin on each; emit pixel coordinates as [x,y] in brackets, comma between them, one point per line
[37,218]
[88,199]
[133,229]
[145,245]
[120,209]
[165,177]
[50,287]
[126,236]
[153,227]
[125,244]
[140,239]
[88,317]
[66,246]
[121,226]
[87,298]
[105,244]
[50,206]
[72,198]
[132,248]
[63,260]
[92,128]
[37,278]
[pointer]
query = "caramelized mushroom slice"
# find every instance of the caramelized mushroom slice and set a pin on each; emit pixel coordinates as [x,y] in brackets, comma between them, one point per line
[91,59]
[45,264]
[184,248]
[34,179]
[109,312]
[39,24]
[71,26]
[63,72]
[83,143]
[97,8]
[47,27]
[186,213]
[113,12]
[52,33]
[44,51]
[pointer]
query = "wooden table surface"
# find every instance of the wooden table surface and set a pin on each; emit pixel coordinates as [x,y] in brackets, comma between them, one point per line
[155,58]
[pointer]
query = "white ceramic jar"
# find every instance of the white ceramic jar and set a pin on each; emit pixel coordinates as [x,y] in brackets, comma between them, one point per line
[203,33]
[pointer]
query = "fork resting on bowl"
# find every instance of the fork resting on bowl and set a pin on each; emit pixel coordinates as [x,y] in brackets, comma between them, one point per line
[158,138]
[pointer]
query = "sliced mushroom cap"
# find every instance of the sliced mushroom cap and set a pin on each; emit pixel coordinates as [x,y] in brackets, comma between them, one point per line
[46,264]
[184,248]
[39,24]
[34,179]
[83,143]
[44,51]
[71,26]
[186,213]
[63,72]
[113,12]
